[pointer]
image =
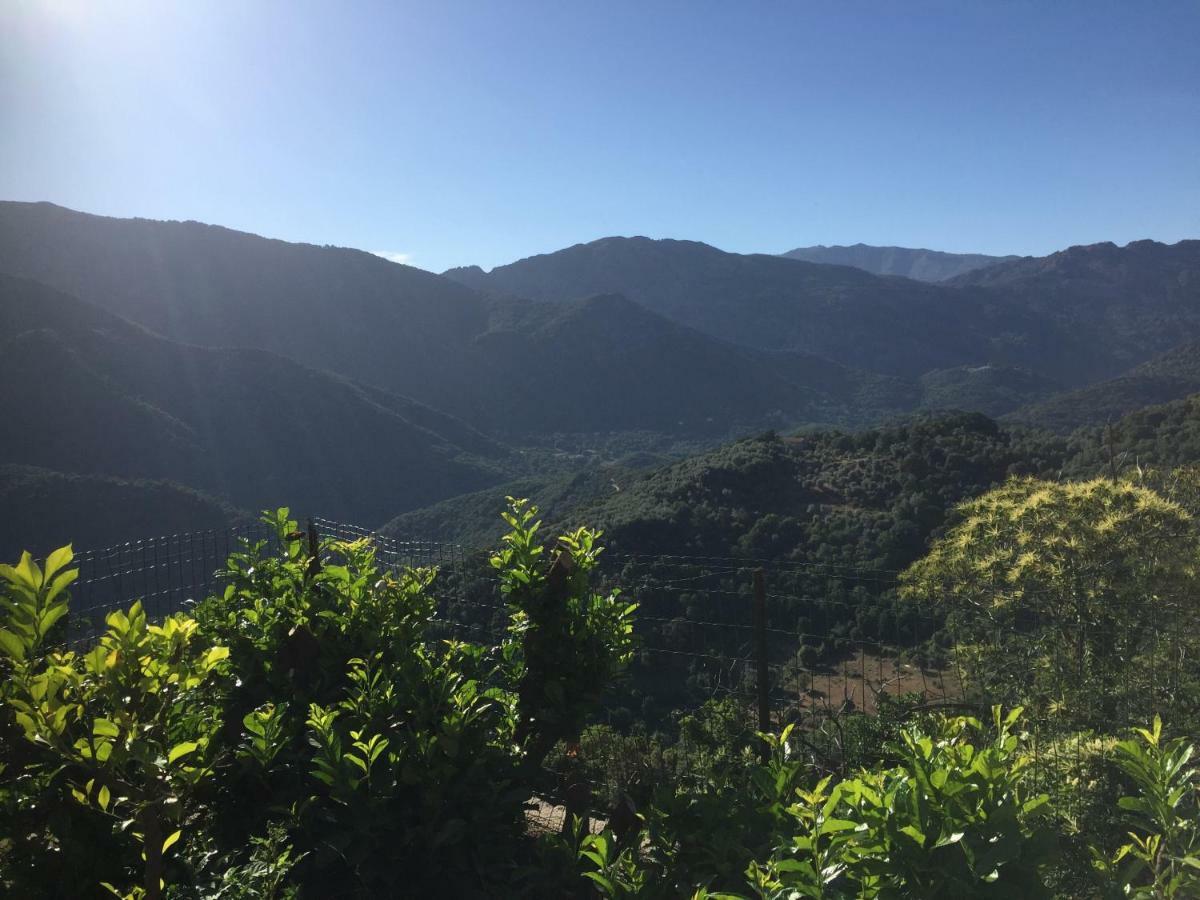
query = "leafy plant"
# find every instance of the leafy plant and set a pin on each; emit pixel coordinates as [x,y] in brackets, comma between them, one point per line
[1161,860]
[950,821]
[127,723]
[566,641]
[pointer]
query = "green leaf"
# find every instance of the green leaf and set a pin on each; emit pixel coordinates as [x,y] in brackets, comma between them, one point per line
[171,840]
[832,826]
[27,572]
[51,616]
[214,656]
[603,882]
[60,584]
[56,560]
[12,645]
[181,750]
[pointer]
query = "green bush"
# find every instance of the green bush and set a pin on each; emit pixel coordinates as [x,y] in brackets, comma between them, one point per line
[302,731]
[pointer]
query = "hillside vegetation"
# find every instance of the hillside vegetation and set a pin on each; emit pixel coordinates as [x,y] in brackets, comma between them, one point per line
[246,425]
[921,265]
[306,732]
[1074,317]
[1174,375]
[44,510]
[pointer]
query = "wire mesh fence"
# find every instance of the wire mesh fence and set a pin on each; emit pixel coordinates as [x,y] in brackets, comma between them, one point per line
[730,644]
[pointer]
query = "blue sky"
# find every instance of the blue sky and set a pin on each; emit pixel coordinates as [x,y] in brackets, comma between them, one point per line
[457,133]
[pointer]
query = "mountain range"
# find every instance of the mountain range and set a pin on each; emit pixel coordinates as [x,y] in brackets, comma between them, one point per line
[921,265]
[1075,317]
[213,372]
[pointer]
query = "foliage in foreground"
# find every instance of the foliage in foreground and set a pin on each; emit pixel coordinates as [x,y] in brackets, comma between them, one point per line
[955,817]
[307,733]
[303,731]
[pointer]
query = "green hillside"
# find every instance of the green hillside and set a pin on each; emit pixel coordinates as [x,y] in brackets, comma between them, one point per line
[1165,437]
[44,510]
[991,390]
[1171,376]
[113,399]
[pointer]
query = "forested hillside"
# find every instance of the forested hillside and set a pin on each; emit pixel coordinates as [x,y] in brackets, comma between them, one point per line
[1077,316]
[921,265]
[867,499]
[44,510]
[113,399]
[1172,376]
[257,371]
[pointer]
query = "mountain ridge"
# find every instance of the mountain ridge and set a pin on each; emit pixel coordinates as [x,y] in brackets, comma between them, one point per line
[908,262]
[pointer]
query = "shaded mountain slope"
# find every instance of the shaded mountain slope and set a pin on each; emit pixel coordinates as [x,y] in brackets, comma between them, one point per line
[492,363]
[1129,303]
[918,264]
[331,308]
[44,510]
[890,325]
[1171,376]
[605,363]
[109,398]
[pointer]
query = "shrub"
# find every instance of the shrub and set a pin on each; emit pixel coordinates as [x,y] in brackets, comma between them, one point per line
[302,730]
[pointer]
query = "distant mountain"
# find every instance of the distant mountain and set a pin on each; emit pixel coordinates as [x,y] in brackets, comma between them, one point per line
[890,325]
[105,397]
[514,368]
[44,510]
[1130,303]
[922,265]
[1076,317]
[606,364]
[1172,376]
[346,311]
[623,333]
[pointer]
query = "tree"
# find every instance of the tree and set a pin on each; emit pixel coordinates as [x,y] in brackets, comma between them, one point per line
[1052,586]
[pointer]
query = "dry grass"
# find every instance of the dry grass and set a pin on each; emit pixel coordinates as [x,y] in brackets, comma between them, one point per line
[857,681]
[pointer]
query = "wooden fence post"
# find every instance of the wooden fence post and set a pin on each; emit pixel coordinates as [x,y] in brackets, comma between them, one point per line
[760,655]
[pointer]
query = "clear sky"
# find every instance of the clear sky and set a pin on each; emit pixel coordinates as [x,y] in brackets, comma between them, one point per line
[455,132]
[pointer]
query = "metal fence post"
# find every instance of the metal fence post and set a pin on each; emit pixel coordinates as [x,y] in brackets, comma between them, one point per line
[760,655]
[314,549]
